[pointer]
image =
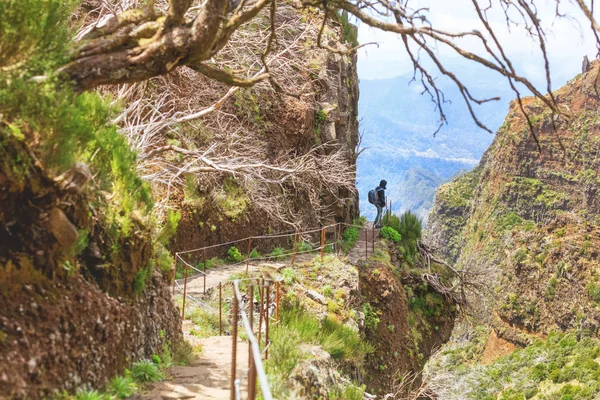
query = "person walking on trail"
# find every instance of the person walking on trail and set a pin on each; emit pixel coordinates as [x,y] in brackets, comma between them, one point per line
[379,201]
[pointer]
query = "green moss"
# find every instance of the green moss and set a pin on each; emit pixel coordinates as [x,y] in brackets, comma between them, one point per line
[232,201]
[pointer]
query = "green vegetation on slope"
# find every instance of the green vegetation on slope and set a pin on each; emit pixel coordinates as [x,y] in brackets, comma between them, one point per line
[564,366]
[297,328]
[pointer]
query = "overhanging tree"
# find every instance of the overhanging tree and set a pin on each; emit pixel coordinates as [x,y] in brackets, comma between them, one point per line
[139,43]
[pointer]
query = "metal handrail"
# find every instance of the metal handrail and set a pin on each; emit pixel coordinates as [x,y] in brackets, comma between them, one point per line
[256,353]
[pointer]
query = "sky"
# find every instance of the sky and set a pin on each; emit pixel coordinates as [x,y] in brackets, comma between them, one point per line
[568,41]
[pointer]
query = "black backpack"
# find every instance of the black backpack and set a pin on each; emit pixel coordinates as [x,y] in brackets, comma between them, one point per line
[372,196]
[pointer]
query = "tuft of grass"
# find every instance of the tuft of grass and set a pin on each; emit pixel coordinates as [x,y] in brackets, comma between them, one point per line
[278,253]
[342,342]
[289,275]
[206,323]
[254,254]
[183,353]
[121,387]
[146,371]
[88,394]
[304,246]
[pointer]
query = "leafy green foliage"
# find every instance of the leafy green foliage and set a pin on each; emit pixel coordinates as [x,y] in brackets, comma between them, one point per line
[139,283]
[183,353]
[234,255]
[206,323]
[164,260]
[350,237]
[34,33]
[233,200]
[387,232]
[146,371]
[410,228]
[169,228]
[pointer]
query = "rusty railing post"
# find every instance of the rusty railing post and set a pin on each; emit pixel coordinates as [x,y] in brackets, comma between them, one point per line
[184,292]
[373,237]
[220,311]
[248,258]
[339,235]
[267,289]
[295,246]
[251,318]
[234,334]
[251,373]
[366,230]
[322,242]
[204,271]
[174,272]
[277,301]
[261,287]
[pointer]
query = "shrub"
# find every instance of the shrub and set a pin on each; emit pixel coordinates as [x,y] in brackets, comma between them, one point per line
[387,232]
[139,282]
[164,260]
[234,255]
[410,228]
[206,323]
[145,371]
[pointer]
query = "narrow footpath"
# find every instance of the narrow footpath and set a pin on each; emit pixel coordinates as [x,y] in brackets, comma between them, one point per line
[207,377]
[364,245]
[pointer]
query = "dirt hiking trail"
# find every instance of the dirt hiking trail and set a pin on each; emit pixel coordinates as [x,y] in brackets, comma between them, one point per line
[207,377]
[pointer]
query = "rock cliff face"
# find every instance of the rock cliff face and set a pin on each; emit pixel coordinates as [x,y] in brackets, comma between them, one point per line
[326,111]
[74,311]
[531,220]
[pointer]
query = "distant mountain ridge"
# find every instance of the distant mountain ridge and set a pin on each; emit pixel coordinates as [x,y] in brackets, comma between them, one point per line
[398,125]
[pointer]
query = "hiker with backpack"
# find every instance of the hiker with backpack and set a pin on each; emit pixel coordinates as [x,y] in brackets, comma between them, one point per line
[377,197]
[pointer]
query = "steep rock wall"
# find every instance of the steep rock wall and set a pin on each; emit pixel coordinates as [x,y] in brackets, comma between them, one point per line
[78,304]
[530,220]
[325,112]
